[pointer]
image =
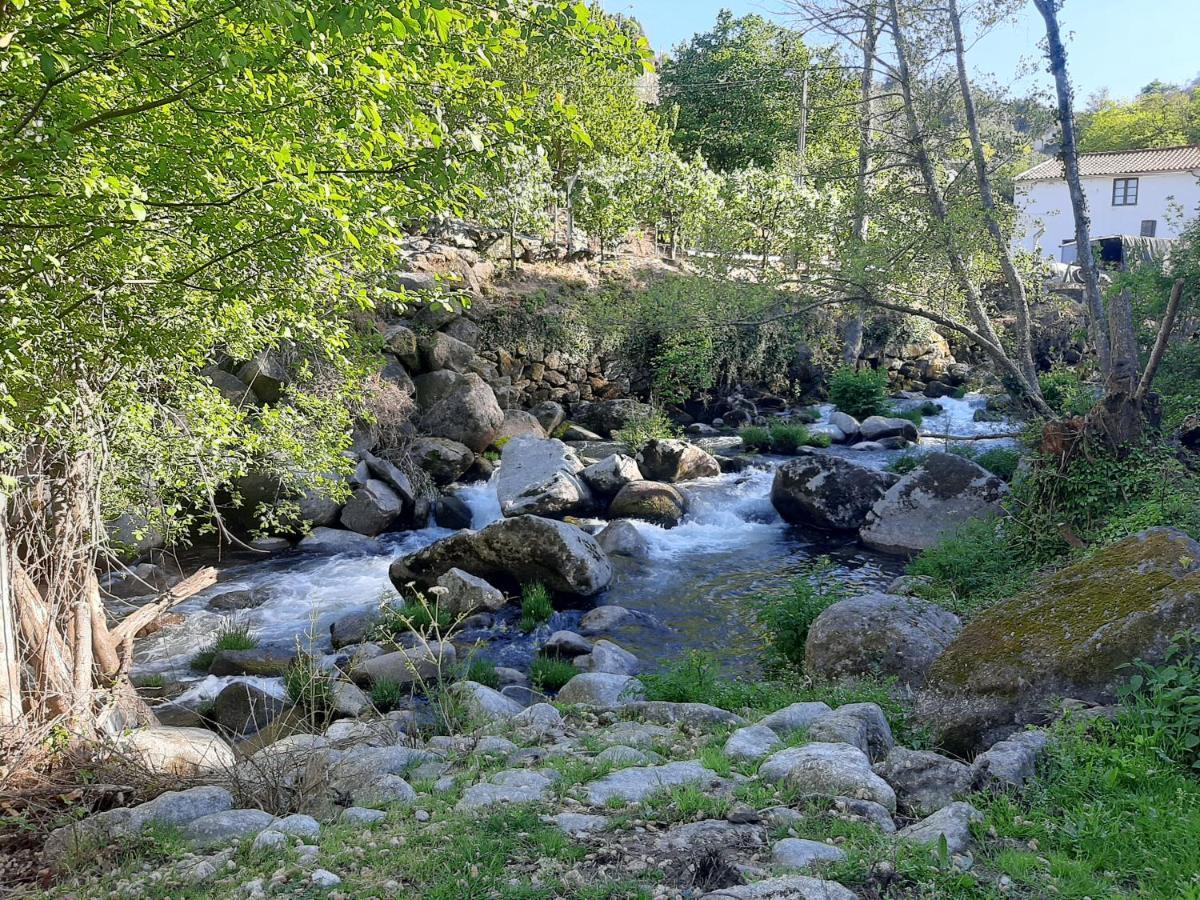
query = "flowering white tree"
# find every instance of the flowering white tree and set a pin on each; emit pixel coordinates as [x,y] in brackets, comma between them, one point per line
[608,203]
[516,195]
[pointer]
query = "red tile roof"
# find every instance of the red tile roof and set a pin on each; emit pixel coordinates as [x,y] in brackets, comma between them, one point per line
[1120,162]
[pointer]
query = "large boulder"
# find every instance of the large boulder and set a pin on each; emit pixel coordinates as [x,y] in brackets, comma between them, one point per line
[828,492]
[521,549]
[1067,636]
[372,509]
[879,635]
[443,460]
[612,473]
[540,477]
[441,351]
[654,501]
[518,423]
[607,416]
[467,413]
[179,751]
[676,460]
[878,428]
[933,500]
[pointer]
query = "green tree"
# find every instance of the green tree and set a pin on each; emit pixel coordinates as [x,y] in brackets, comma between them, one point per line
[609,200]
[515,194]
[1161,116]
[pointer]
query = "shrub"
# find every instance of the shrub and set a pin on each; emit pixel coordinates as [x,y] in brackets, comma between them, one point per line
[232,635]
[536,608]
[387,695]
[1164,701]
[693,679]
[308,687]
[417,615]
[859,394]
[905,463]
[973,567]
[929,408]
[1000,461]
[785,616]
[755,437]
[642,428]
[913,415]
[548,673]
[1066,393]
[1178,383]
[787,438]
[482,671]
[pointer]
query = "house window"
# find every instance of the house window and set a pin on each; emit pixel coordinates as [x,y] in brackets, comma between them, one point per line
[1125,191]
[1149,226]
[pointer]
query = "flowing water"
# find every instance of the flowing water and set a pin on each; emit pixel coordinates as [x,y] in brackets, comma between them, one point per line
[697,583]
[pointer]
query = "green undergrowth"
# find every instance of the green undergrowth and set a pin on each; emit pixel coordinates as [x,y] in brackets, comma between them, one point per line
[232,635]
[785,438]
[783,616]
[548,673]
[536,606]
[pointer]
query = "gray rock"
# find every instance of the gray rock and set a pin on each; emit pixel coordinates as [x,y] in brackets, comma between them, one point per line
[323,878]
[468,414]
[372,509]
[879,635]
[465,594]
[676,460]
[951,822]
[878,428]
[401,341]
[382,790]
[566,644]
[359,815]
[793,887]
[549,415]
[635,784]
[266,375]
[608,657]
[353,628]
[335,540]
[607,416]
[520,424]
[260,661]
[509,786]
[653,501]
[611,474]
[225,827]
[452,512]
[795,853]
[1011,763]
[827,492]
[828,770]
[846,424]
[179,751]
[861,724]
[934,500]
[752,743]
[924,781]
[229,601]
[865,811]
[244,709]
[541,477]
[426,662]
[622,538]
[524,549]
[600,689]
[484,703]
[442,459]
[606,618]
[576,824]
[635,734]
[909,585]
[297,825]
[348,699]
[441,351]
[797,717]
[269,840]
[620,755]
[700,716]
[538,719]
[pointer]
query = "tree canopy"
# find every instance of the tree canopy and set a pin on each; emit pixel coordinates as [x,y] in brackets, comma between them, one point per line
[1160,116]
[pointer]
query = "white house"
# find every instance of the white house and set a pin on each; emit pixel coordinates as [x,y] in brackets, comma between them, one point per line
[1147,193]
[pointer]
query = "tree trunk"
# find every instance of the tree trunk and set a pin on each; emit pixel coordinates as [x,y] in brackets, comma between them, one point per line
[1069,154]
[858,236]
[10,670]
[1016,287]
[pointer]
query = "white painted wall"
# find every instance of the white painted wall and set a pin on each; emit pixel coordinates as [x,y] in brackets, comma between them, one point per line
[1044,219]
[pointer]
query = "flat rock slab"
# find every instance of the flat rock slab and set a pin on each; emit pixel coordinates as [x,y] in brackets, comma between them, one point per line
[795,853]
[224,827]
[793,887]
[635,784]
[579,823]
[509,786]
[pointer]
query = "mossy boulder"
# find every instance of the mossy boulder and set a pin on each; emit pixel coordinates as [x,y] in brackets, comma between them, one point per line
[654,501]
[1068,636]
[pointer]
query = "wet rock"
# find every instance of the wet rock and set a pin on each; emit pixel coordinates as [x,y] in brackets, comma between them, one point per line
[924,781]
[523,549]
[468,414]
[952,822]
[934,500]
[466,594]
[611,474]
[635,784]
[675,460]
[452,512]
[541,477]
[372,509]
[622,538]
[606,656]
[1069,635]
[226,827]
[752,743]
[261,662]
[229,601]
[827,492]
[828,769]
[334,540]
[600,689]
[509,786]
[179,751]
[442,459]
[795,853]
[879,635]
[797,717]
[607,618]
[878,428]
[653,501]
[566,644]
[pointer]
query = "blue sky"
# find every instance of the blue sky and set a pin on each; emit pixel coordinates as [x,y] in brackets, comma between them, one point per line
[1115,44]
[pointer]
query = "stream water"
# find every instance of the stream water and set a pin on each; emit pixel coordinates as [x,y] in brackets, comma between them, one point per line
[697,582]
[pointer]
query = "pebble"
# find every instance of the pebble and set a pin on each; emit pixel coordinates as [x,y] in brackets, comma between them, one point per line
[324,878]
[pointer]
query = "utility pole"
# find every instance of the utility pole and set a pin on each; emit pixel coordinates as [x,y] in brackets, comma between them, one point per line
[802,133]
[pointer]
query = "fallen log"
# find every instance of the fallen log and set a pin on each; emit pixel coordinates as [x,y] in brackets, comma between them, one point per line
[127,629]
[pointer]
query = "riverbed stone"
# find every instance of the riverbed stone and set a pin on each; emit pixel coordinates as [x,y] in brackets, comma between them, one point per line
[451,511]
[653,501]
[944,493]
[792,887]
[509,786]
[541,477]
[179,751]
[348,699]
[611,474]
[605,656]
[797,717]
[244,709]
[468,413]
[607,618]
[674,460]
[338,540]
[485,704]
[523,549]
[442,459]
[225,827]
[878,428]
[372,509]
[879,635]
[600,689]
[635,784]
[622,538]
[752,743]
[231,601]
[846,424]
[466,593]
[924,781]
[951,822]
[566,644]
[426,662]
[861,724]
[827,769]
[353,628]
[1068,635]
[796,853]
[827,492]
